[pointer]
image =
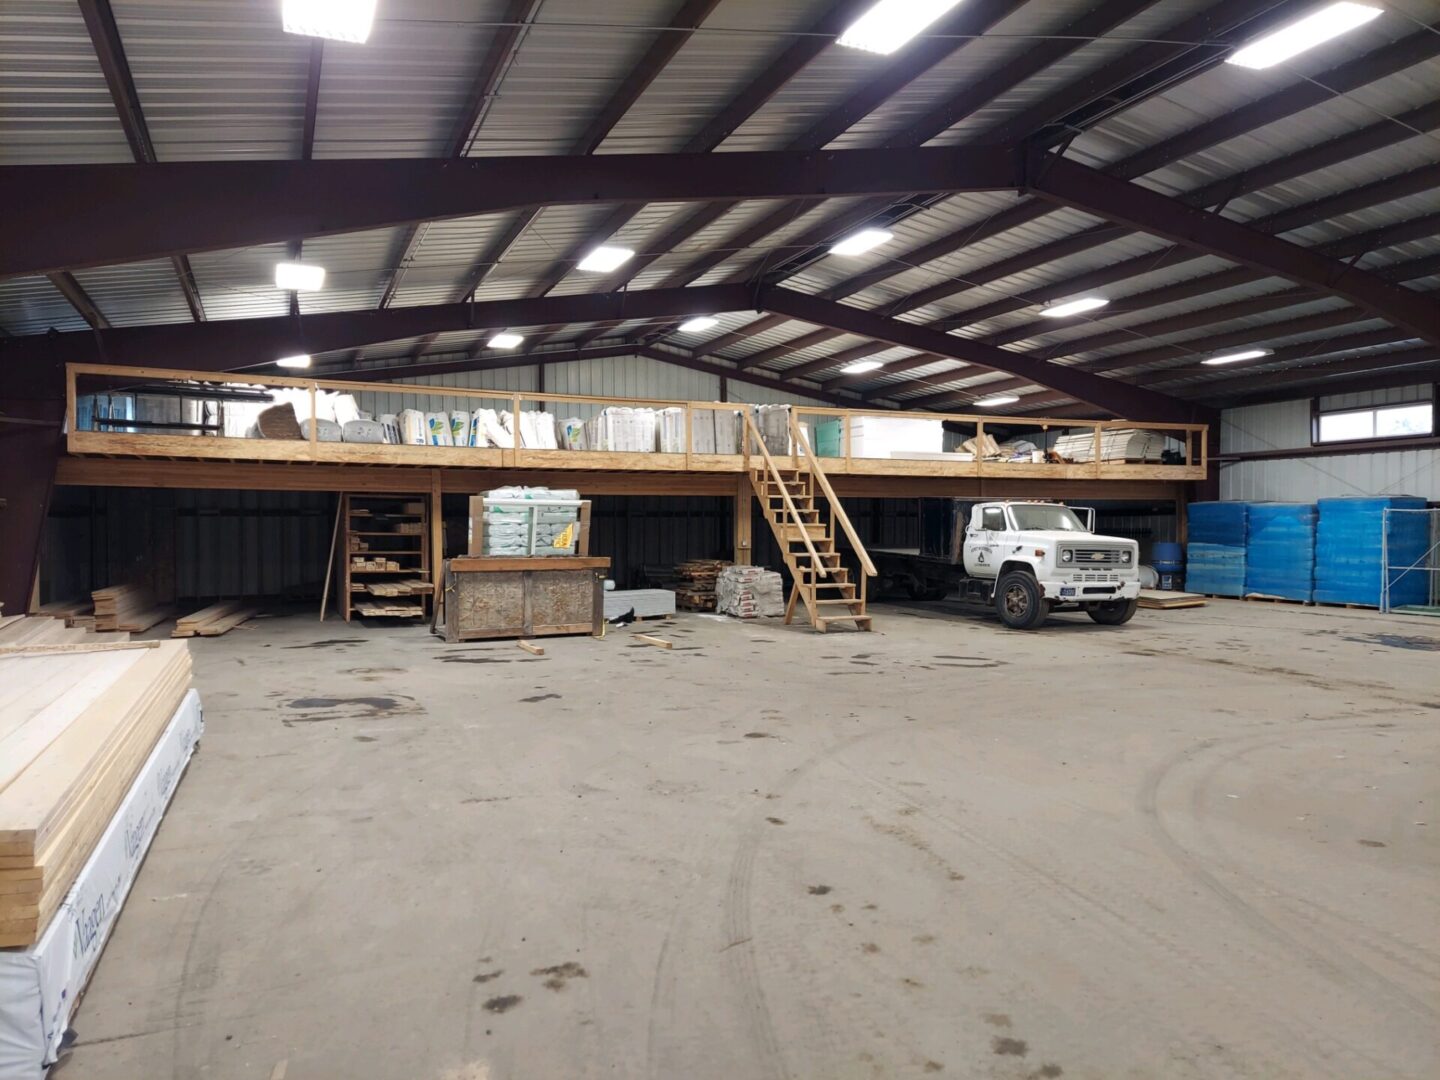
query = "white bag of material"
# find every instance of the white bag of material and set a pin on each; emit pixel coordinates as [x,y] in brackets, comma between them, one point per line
[544,425]
[391,424]
[346,410]
[495,432]
[572,433]
[438,429]
[672,430]
[460,427]
[477,429]
[413,429]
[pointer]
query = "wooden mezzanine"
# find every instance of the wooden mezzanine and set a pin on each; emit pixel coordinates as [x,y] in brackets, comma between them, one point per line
[475,468]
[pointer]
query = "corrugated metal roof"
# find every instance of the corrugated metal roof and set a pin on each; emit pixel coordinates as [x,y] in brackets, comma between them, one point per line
[218,79]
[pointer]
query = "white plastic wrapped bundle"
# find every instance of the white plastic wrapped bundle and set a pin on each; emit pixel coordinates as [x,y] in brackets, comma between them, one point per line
[774,424]
[647,431]
[572,434]
[459,427]
[672,430]
[544,425]
[391,425]
[727,431]
[413,431]
[438,428]
[477,430]
[749,591]
[495,432]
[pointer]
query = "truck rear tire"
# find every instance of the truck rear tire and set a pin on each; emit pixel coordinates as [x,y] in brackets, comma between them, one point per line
[1019,601]
[1113,612]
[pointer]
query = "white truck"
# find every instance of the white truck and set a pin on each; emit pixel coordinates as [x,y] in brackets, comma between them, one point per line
[1024,559]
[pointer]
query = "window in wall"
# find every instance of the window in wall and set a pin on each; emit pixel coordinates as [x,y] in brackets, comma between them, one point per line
[1381,422]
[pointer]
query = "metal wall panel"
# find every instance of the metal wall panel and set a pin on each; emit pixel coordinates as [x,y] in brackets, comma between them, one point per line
[1285,425]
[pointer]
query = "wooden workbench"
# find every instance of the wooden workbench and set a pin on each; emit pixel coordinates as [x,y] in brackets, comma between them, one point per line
[529,597]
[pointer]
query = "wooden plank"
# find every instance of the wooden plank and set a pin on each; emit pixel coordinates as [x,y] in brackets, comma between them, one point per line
[650,639]
[531,647]
[501,564]
[228,623]
[76,647]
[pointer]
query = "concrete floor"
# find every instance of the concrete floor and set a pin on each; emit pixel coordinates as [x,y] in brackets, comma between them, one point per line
[1203,845]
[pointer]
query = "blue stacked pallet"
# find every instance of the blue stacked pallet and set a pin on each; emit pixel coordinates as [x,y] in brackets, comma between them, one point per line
[1348,550]
[1215,554]
[1280,550]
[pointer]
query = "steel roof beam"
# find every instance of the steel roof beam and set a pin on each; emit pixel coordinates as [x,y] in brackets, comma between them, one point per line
[1105,393]
[233,344]
[1398,56]
[79,299]
[1235,18]
[158,210]
[110,51]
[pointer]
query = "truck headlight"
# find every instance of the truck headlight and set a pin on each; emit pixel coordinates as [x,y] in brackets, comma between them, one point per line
[1126,556]
[1067,555]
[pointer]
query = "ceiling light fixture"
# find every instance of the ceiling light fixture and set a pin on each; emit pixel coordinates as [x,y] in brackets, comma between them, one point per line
[1314,29]
[297,361]
[1073,307]
[994,400]
[298,277]
[888,24]
[604,259]
[1236,357]
[338,20]
[859,367]
[861,242]
[697,324]
[505,340]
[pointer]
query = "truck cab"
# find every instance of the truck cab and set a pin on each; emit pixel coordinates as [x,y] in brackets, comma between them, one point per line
[1031,558]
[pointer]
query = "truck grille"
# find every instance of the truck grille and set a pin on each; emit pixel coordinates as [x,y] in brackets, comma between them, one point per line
[1096,556]
[1095,577]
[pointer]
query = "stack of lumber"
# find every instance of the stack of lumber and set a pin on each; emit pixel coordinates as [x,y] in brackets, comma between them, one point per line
[696,591]
[74,612]
[22,630]
[388,607]
[406,587]
[127,607]
[75,729]
[1154,598]
[213,620]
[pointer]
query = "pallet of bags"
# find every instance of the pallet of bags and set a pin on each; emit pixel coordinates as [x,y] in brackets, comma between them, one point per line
[672,430]
[749,592]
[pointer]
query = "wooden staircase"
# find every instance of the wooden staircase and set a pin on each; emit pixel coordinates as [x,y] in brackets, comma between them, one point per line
[792,500]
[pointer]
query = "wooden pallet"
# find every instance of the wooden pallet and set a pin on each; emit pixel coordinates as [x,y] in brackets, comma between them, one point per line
[1160,600]
[1265,598]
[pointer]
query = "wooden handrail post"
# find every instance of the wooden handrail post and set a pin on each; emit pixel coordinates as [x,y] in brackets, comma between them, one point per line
[1099,445]
[314,421]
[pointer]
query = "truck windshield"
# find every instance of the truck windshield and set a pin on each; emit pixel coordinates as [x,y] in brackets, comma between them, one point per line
[1046,519]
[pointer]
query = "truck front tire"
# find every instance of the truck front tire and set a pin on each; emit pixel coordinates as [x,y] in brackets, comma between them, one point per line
[1113,612]
[1019,601]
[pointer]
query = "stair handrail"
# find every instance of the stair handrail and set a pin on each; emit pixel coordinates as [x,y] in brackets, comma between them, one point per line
[774,471]
[797,433]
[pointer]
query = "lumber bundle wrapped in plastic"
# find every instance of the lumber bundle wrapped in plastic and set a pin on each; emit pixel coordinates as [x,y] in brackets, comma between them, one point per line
[1215,555]
[75,737]
[1280,550]
[1348,544]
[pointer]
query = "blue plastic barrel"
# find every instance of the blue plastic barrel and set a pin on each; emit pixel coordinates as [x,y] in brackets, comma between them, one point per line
[1168,557]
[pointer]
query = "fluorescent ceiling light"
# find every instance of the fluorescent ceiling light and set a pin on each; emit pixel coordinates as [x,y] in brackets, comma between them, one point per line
[891,23]
[604,259]
[861,242]
[300,360]
[1236,357]
[697,324]
[505,340]
[996,399]
[298,277]
[1073,307]
[1315,29]
[859,367]
[338,20]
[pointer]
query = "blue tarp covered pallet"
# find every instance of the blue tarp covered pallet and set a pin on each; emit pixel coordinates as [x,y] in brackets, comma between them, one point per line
[1280,550]
[1215,553]
[1348,550]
